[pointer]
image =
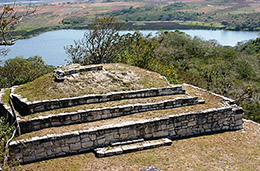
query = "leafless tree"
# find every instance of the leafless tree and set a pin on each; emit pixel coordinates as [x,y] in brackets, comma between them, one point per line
[10,17]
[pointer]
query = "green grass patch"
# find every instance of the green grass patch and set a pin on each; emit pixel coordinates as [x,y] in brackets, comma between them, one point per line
[198,23]
[6,96]
[139,24]
[101,8]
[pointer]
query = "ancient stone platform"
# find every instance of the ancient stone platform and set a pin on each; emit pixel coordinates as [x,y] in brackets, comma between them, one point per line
[185,111]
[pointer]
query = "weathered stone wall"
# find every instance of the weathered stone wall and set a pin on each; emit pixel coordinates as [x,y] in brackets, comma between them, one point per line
[5,110]
[59,74]
[25,107]
[89,115]
[175,126]
[75,70]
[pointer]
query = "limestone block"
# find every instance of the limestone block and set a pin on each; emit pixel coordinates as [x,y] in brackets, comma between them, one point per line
[181,132]
[72,140]
[148,136]
[87,144]
[93,137]
[189,131]
[206,126]
[75,147]
[239,122]
[41,155]
[75,117]
[147,130]
[116,135]
[90,118]
[49,153]
[59,142]
[104,116]
[101,141]
[163,126]
[163,133]
[132,133]
[36,127]
[123,136]
[109,136]
[84,137]
[208,130]
[193,123]
[97,117]
[57,150]
[239,116]
[65,149]
[172,132]
[39,150]
[29,158]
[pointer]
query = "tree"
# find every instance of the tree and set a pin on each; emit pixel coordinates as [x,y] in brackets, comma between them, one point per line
[18,70]
[98,44]
[9,18]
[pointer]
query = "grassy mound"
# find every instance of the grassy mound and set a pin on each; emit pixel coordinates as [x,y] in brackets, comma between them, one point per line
[113,77]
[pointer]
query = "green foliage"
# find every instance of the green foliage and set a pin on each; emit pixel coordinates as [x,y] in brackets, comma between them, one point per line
[6,96]
[150,13]
[245,70]
[180,57]
[184,12]
[6,132]
[18,70]
[252,111]
[250,47]
[137,50]
[98,45]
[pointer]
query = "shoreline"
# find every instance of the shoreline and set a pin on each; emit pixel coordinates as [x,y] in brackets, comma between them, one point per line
[23,34]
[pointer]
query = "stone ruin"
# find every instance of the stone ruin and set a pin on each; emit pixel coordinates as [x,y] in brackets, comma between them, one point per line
[120,137]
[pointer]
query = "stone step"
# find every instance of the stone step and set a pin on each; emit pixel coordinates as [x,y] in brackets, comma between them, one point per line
[127,142]
[26,107]
[201,101]
[127,148]
[90,115]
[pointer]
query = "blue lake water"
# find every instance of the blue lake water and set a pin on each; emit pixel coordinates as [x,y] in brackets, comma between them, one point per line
[50,45]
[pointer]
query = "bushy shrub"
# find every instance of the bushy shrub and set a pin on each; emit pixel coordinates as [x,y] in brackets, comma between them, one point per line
[18,70]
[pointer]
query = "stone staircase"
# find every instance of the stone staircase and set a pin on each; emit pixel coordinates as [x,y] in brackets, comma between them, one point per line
[118,148]
[147,119]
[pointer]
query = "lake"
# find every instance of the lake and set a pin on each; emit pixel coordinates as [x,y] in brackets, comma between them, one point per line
[50,45]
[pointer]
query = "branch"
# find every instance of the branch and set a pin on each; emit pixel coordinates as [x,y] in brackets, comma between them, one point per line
[7,146]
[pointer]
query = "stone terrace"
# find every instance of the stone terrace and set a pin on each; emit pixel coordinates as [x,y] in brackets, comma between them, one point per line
[175,111]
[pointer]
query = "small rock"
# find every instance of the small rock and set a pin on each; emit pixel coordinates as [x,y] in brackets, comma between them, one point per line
[150,168]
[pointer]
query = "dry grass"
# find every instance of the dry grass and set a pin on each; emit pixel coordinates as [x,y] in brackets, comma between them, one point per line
[211,102]
[114,77]
[238,150]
